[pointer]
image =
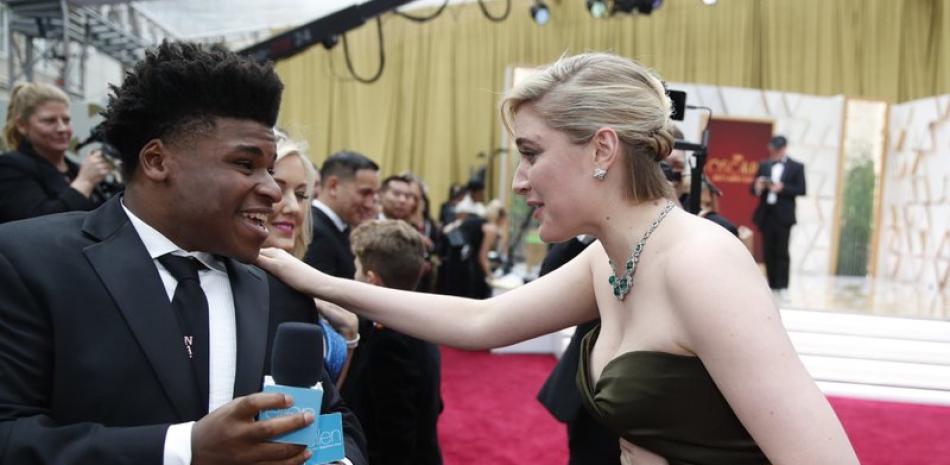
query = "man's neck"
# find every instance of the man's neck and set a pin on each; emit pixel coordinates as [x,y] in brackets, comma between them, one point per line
[327,208]
[133,200]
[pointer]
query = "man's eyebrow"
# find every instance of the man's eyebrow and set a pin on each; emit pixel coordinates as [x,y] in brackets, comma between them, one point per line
[250,149]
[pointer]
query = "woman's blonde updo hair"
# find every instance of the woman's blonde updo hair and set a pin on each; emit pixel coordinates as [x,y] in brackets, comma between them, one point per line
[580,94]
[287,147]
[24,98]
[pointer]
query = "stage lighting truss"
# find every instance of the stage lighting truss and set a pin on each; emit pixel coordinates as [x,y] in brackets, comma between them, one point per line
[540,12]
[604,8]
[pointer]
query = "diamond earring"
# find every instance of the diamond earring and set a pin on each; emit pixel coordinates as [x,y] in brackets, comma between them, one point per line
[600,173]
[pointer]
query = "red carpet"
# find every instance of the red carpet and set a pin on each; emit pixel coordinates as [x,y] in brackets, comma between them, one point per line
[491,417]
[894,433]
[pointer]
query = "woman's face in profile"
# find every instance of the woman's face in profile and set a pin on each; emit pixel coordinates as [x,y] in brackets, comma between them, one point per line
[49,128]
[285,222]
[554,175]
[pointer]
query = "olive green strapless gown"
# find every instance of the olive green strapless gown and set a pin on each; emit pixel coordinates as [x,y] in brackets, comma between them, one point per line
[668,404]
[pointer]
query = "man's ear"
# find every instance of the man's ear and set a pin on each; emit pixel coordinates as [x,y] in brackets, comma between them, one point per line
[374,279]
[607,150]
[154,160]
[330,185]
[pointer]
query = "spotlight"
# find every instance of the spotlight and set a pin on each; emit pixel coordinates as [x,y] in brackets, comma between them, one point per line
[597,8]
[540,13]
[709,2]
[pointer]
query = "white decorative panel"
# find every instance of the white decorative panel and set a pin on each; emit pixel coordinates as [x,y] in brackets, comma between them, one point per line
[915,234]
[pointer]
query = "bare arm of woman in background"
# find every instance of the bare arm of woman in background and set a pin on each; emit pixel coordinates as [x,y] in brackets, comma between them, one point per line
[347,324]
[489,235]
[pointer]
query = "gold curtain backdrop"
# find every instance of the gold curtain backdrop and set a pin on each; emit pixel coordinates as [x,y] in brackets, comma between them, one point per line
[435,106]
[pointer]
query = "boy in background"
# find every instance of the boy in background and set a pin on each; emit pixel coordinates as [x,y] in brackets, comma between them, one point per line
[399,398]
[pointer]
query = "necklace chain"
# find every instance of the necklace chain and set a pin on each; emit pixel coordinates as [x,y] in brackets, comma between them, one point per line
[621,285]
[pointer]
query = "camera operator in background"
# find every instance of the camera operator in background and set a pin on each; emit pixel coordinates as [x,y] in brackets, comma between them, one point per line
[36,178]
[709,206]
[676,171]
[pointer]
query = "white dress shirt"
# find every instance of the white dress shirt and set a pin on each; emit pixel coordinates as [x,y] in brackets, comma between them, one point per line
[222,334]
[778,169]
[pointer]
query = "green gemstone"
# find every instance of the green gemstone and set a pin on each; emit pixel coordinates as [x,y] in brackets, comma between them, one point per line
[629,264]
[612,280]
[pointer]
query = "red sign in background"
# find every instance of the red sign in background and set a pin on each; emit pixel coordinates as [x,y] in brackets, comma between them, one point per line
[735,149]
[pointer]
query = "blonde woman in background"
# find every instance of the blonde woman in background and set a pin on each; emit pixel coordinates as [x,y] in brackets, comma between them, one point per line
[706,376]
[494,237]
[290,229]
[36,178]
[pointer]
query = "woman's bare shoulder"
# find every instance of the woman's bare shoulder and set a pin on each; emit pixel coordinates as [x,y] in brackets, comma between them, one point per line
[718,271]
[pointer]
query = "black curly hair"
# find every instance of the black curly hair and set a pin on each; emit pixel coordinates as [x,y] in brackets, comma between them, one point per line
[179,89]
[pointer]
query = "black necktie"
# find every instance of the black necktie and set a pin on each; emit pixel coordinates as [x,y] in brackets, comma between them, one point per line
[191,311]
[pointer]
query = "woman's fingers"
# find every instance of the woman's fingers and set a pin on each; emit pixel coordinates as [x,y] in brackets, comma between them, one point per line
[632,454]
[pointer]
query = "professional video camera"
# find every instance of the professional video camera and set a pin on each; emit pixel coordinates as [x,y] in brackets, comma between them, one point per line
[696,162]
[113,183]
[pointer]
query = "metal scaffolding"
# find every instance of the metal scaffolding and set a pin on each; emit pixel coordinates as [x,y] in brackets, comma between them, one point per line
[57,34]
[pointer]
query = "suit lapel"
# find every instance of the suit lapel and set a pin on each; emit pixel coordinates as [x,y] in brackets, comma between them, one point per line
[251,307]
[130,276]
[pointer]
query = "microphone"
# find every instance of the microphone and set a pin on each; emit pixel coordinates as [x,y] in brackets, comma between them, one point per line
[296,366]
[297,355]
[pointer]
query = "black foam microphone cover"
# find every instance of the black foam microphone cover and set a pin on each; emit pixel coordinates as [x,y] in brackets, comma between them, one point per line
[297,355]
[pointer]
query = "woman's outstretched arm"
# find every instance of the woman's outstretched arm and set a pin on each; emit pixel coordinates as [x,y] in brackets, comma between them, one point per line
[558,300]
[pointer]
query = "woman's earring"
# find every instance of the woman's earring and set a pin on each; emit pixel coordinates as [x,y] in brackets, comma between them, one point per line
[600,173]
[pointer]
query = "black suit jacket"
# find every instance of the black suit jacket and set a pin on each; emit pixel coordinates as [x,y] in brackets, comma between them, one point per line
[31,186]
[329,251]
[400,400]
[559,393]
[793,179]
[90,359]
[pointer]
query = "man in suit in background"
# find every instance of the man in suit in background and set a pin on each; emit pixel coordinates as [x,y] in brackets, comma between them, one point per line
[778,181]
[122,328]
[347,198]
[589,442]
[396,198]
[350,182]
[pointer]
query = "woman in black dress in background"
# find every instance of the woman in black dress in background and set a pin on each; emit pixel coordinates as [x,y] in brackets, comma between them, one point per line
[36,178]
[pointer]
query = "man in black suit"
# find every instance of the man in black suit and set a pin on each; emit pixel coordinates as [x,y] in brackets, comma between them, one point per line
[778,181]
[121,328]
[589,442]
[350,182]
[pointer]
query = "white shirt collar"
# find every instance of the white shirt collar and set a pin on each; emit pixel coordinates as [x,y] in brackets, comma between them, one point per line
[331,214]
[585,238]
[157,244]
